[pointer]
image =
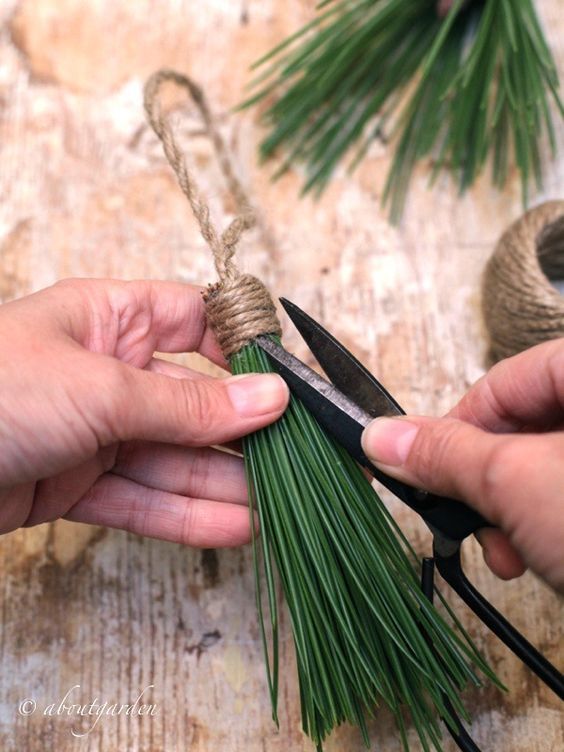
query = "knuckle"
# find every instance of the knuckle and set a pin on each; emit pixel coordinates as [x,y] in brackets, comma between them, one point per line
[116,392]
[67,282]
[432,450]
[500,472]
[64,290]
[199,471]
[75,286]
[189,524]
[200,405]
[119,380]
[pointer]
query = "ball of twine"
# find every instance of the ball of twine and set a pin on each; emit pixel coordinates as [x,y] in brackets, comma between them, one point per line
[520,305]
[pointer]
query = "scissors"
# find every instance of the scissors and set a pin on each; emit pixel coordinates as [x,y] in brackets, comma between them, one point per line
[344,406]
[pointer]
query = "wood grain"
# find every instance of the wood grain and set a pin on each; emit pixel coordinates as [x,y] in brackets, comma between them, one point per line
[85,192]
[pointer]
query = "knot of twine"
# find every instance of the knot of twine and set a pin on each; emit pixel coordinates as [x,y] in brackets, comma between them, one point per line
[521,307]
[238,307]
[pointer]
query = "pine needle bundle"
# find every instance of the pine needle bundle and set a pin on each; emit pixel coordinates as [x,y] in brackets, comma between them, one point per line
[453,82]
[364,632]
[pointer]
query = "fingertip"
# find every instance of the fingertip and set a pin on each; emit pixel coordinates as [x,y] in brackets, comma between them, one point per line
[257,395]
[388,441]
[499,554]
[218,525]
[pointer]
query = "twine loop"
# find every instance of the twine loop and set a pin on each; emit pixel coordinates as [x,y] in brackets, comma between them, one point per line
[238,307]
[520,305]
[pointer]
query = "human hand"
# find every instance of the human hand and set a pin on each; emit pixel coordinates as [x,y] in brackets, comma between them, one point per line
[96,429]
[501,450]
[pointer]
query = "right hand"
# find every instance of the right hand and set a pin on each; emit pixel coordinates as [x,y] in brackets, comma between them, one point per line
[500,450]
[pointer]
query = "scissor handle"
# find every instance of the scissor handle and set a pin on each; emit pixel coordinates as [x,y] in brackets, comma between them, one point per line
[453,518]
[450,568]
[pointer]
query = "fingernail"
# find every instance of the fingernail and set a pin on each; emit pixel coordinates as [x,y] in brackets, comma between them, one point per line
[257,394]
[389,440]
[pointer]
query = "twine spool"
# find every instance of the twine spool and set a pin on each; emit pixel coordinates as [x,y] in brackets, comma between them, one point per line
[520,305]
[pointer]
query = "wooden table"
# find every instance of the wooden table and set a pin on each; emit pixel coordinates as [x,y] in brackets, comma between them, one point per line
[86,192]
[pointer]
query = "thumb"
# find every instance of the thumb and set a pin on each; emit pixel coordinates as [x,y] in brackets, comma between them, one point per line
[192,411]
[514,480]
[443,455]
[450,457]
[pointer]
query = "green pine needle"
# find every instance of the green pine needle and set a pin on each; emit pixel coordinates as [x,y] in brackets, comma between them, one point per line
[456,90]
[362,628]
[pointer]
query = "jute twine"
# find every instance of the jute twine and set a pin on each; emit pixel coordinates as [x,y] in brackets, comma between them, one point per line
[238,307]
[521,307]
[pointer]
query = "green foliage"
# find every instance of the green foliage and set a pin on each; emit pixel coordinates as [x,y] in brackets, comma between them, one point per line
[454,90]
[362,628]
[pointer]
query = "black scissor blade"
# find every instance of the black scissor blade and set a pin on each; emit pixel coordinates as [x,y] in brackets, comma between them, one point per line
[342,368]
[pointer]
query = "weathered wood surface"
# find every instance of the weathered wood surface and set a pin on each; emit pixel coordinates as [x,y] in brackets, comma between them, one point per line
[85,191]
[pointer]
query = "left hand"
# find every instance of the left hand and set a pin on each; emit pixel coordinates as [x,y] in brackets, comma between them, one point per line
[95,428]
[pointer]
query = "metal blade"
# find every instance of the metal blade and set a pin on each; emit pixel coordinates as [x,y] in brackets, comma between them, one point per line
[342,418]
[338,414]
[340,365]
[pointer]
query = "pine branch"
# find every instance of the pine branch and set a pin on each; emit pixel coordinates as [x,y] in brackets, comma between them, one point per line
[455,83]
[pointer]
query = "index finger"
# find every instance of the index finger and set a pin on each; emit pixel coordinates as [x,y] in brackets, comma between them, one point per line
[133,319]
[178,316]
[522,392]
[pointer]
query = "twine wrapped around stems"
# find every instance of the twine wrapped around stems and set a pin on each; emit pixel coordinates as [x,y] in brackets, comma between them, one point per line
[238,307]
[520,305]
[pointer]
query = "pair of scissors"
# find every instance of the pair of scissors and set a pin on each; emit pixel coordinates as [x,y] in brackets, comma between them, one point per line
[344,406]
